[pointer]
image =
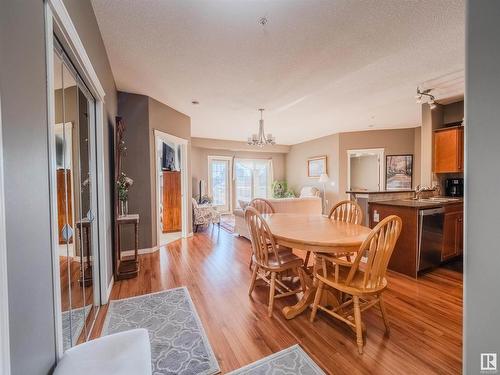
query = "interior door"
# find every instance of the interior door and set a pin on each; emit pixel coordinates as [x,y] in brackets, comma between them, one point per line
[220,183]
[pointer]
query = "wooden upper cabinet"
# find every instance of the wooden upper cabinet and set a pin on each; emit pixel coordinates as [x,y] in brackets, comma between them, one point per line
[449,150]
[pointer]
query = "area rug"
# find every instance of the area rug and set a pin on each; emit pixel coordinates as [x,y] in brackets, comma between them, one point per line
[72,328]
[290,361]
[227,222]
[179,344]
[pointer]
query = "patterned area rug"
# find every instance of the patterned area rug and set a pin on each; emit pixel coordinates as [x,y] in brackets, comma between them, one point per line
[227,223]
[179,344]
[290,361]
[72,325]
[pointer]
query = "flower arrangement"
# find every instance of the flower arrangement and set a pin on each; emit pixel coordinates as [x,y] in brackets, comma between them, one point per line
[124,183]
[280,190]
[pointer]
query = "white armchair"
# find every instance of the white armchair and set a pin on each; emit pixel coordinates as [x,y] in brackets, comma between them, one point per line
[204,214]
[309,191]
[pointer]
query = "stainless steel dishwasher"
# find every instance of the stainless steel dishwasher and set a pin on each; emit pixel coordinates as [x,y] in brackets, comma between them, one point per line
[430,241]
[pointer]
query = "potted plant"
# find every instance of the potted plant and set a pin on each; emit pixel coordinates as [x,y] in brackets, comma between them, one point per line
[280,190]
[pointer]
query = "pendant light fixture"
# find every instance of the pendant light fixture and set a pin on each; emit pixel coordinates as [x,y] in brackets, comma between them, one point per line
[261,139]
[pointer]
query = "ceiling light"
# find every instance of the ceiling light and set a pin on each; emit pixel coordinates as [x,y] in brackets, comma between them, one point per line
[426,96]
[195,102]
[261,139]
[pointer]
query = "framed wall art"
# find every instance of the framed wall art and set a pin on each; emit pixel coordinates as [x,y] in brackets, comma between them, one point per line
[316,166]
[398,172]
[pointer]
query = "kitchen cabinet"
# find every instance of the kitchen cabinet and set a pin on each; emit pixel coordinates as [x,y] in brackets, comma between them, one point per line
[449,150]
[453,237]
[172,207]
[405,258]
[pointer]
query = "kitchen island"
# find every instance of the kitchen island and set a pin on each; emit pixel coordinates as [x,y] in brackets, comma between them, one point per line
[420,245]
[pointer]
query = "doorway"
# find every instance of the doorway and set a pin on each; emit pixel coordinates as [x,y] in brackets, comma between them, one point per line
[171,187]
[219,182]
[365,169]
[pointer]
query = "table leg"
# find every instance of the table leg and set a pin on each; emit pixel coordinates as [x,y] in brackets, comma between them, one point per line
[329,298]
[291,312]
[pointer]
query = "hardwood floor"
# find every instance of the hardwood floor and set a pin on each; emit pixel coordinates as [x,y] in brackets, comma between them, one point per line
[425,315]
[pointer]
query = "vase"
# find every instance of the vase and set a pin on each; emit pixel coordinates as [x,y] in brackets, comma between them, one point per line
[123,208]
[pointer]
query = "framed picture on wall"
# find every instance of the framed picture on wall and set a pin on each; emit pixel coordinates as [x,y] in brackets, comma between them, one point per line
[398,172]
[316,166]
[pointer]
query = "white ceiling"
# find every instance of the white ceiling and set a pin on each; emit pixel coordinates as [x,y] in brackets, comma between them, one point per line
[318,67]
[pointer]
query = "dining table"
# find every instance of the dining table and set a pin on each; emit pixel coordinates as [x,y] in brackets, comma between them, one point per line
[316,234]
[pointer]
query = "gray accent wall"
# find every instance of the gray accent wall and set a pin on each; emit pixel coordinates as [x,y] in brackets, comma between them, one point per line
[482,219]
[143,115]
[23,89]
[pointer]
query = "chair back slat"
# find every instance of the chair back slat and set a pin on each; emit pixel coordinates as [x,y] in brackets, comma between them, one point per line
[263,206]
[263,243]
[347,211]
[379,246]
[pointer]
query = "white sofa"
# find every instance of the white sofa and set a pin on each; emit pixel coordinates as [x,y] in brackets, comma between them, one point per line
[303,205]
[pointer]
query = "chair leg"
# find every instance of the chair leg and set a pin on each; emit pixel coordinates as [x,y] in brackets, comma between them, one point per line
[306,261]
[272,291]
[317,298]
[196,228]
[254,279]
[359,326]
[384,314]
[251,262]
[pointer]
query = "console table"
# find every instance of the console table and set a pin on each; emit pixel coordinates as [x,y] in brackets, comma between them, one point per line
[126,268]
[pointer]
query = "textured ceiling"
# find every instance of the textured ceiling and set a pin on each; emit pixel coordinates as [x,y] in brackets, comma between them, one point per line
[318,67]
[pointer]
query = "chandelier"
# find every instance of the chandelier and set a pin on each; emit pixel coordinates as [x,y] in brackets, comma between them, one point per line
[261,139]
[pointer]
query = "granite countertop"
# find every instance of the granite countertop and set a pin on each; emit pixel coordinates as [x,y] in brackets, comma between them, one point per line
[416,204]
[378,191]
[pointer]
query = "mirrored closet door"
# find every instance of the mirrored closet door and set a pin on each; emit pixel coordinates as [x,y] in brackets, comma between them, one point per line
[73,174]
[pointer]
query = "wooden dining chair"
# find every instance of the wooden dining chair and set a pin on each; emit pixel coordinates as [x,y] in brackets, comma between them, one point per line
[348,212]
[269,262]
[363,283]
[263,206]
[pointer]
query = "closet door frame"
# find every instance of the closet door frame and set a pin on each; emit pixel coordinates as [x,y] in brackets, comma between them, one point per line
[57,14]
[4,292]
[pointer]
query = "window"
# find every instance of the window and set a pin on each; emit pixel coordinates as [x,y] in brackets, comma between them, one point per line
[252,179]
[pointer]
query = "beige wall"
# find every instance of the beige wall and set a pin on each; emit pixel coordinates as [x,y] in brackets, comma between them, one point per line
[202,148]
[393,141]
[296,165]
[365,172]
[170,121]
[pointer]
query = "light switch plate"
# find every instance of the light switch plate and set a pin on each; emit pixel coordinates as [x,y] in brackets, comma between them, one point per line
[376,216]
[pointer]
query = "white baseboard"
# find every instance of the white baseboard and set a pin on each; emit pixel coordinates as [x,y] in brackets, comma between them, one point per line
[190,234]
[140,251]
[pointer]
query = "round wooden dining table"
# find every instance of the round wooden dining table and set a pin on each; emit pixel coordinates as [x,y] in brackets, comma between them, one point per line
[318,234]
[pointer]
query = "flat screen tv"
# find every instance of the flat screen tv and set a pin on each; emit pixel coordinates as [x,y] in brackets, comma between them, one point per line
[168,158]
